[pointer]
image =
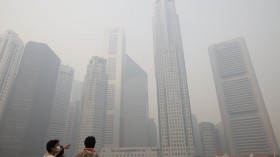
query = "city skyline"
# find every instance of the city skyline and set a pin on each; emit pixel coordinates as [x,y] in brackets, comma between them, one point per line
[202,25]
[79,42]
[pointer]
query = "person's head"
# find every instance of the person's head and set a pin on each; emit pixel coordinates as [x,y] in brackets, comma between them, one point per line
[90,142]
[53,146]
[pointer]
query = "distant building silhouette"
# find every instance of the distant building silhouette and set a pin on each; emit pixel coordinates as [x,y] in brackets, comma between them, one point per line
[245,119]
[209,139]
[11,49]
[114,51]
[94,102]
[25,120]
[135,114]
[73,119]
[58,118]
[175,122]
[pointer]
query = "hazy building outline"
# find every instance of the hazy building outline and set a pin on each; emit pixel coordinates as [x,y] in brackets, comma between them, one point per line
[24,125]
[135,114]
[115,53]
[72,132]
[175,122]
[94,102]
[11,50]
[209,139]
[245,119]
[61,102]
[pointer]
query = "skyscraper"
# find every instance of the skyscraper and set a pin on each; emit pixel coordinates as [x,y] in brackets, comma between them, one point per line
[175,122]
[94,98]
[245,119]
[114,51]
[58,118]
[134,118]
[72,135]
[11,49]
[25,120]
[209,139]
[73,119]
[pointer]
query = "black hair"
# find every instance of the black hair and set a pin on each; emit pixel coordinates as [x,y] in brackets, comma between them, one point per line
[51,144]
[90,142]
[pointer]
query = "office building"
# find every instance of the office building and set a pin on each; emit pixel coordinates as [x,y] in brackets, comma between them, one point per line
[175,122]
[61,102]
[245,119]
[114,51]
[135,114]
[94,102]
[11,49]
[26,116]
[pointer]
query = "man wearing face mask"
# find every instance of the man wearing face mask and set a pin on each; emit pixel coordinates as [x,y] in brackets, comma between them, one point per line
[54,149]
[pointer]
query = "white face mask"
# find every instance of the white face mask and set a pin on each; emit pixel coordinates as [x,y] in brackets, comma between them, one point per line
[58,148]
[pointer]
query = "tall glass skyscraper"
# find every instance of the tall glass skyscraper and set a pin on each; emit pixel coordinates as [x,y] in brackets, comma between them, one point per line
[25,118]
[135,115]
[175,122]
[114,51]
[245,119]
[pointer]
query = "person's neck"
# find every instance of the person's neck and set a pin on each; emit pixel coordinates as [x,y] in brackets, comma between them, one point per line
[52,153]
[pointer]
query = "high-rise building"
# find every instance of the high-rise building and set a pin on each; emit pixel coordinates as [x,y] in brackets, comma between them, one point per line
[58,118]
[94,98]
[25,118]
[197,137]
[245,119]
[209,139]
[11,49]
[135,114]
[175,122]
[114,51]
[73,119]
[72,134]
[222,140]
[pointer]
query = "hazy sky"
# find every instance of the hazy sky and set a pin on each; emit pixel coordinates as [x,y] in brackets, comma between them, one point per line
[74,30]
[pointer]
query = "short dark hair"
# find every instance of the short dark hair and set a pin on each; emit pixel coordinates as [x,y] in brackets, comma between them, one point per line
[51,144]
[90,142]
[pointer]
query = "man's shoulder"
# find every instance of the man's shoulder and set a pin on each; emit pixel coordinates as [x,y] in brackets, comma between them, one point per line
[48,155]
[82,154]
[86,154]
